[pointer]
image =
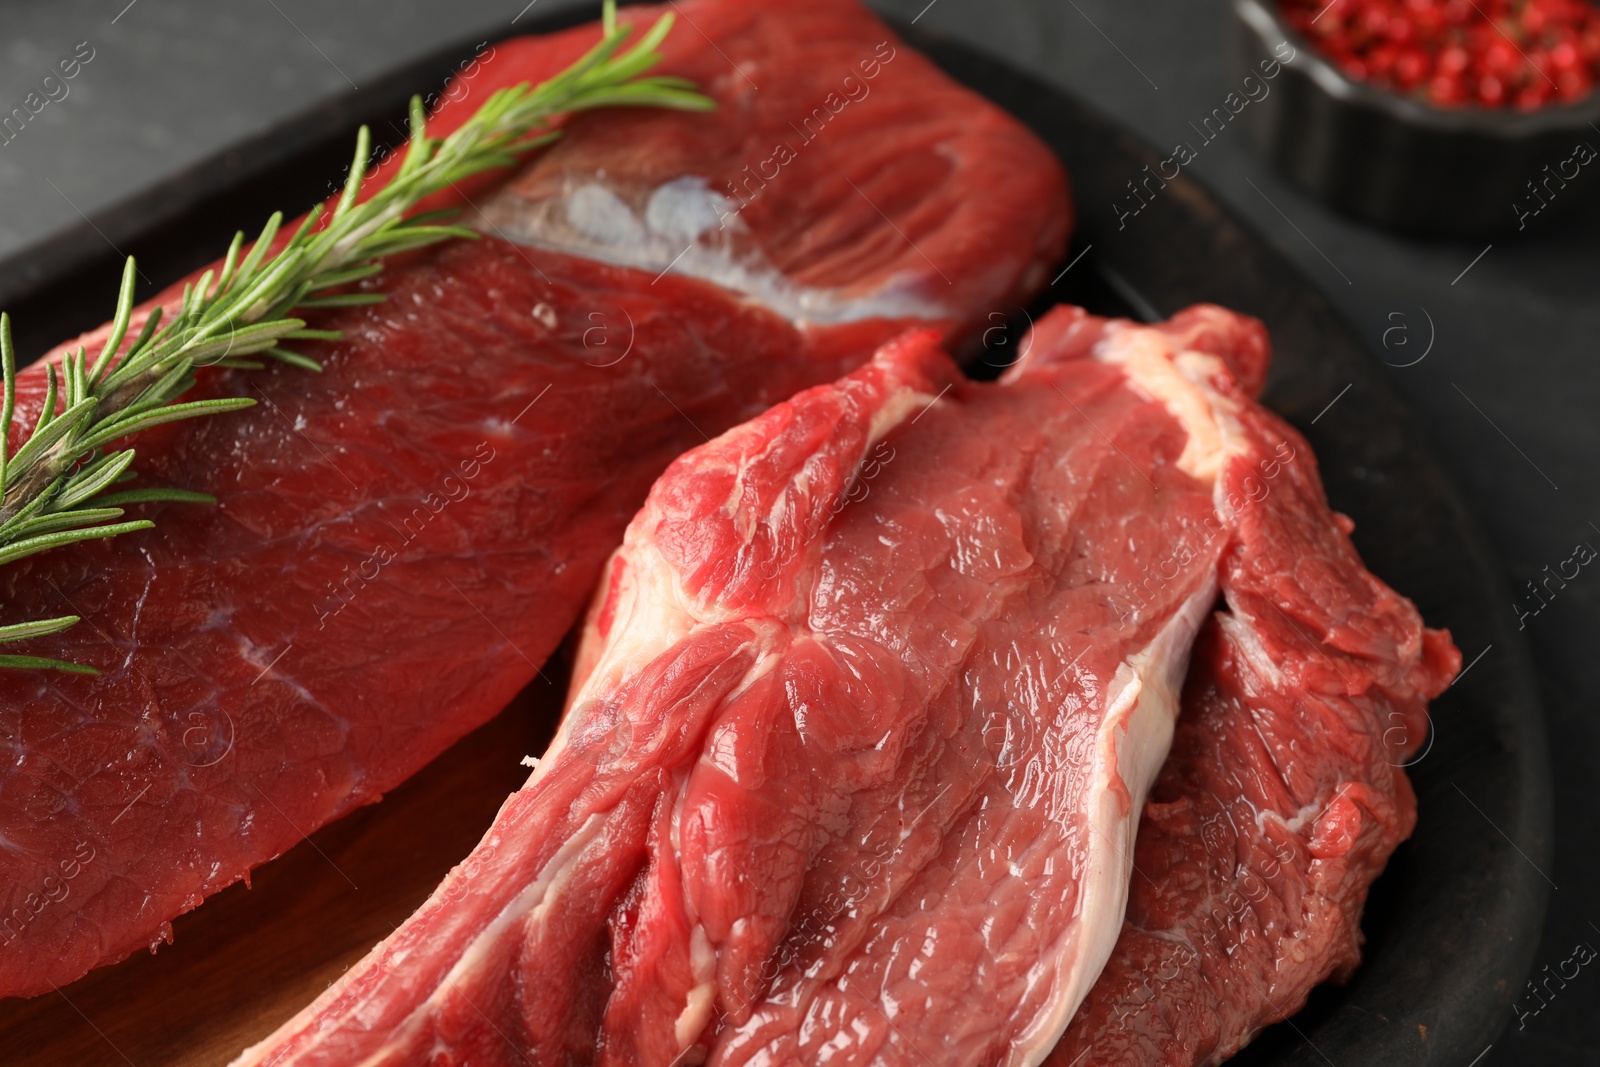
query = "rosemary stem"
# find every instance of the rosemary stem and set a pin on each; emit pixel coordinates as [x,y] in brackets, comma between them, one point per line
[53,486]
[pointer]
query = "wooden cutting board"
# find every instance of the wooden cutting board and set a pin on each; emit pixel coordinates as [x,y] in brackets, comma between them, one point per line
[249,958]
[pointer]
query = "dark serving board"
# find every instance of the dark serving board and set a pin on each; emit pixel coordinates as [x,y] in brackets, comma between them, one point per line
[1450,927]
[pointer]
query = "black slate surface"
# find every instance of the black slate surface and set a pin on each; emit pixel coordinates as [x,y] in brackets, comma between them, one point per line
[1507,391]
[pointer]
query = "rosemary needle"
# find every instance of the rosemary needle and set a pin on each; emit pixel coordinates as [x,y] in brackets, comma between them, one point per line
[55,487]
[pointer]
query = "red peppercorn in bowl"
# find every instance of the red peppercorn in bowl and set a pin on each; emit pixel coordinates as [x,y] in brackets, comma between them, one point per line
[1455,117]
[1524,54]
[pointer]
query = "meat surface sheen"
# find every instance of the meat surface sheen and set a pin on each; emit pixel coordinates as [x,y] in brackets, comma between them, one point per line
[1284,795]
[846,176]
[400,541]
[860,731]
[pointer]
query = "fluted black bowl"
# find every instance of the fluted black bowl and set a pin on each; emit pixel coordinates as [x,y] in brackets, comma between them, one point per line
[1395,161]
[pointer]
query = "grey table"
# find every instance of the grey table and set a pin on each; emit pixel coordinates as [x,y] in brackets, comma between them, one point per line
[1508,389]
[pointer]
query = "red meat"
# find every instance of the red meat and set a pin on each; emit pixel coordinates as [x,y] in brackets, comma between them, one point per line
[1283,797]
[400,541]
[865,716]
[845,176]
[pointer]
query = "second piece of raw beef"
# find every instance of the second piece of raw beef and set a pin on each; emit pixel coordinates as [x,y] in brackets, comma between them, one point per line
[862,725]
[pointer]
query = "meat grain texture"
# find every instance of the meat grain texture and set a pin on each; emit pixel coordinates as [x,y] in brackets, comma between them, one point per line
[400,541]
[864,720]
[1285,793]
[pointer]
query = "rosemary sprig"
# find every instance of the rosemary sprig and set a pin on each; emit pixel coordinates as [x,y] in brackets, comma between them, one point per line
[55,487]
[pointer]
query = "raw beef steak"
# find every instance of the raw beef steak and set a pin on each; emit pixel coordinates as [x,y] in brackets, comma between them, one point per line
[400,541]
[860,732]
